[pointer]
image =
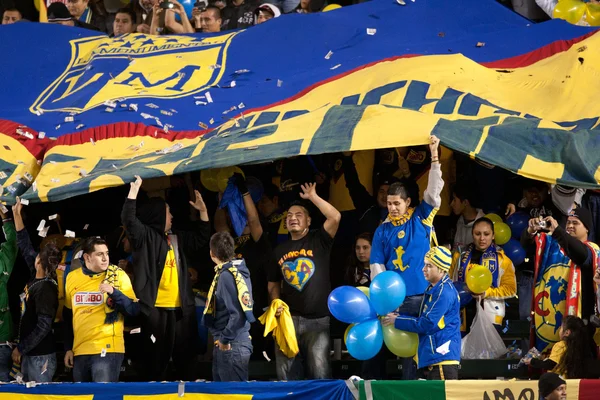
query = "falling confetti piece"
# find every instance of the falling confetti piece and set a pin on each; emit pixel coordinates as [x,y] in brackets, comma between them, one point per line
[173,110]
[133,107]
[92,141]
[69,234]
[151,105]
[52,217]
[328,55]
[242,71]
[3,208]
[54,180]
[279,83]
[171,149]
[167,113]
[41,225]
[401,2]
[146,116]
[34,186]
[41,135]
[208,97]
[58,127]
[371,31]
[108,109]
[25,202]
[110,103]
[201,103]
[153,338]
[69,119]
[232,84]
[135,330]
[39,113]
[2,175]
[83,172]
[202,125]
[335,67]
[241,105]
[212,121]
[79,126]
[480,44]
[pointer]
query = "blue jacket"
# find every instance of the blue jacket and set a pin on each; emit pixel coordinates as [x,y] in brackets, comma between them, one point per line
[438,324]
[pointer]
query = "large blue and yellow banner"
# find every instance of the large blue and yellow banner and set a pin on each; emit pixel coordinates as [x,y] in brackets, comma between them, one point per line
[318,390]
[83,112]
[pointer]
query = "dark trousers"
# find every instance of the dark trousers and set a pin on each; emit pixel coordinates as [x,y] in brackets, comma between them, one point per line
[232,365]
[95,368]
[411,307]
[441,372]
[166,334]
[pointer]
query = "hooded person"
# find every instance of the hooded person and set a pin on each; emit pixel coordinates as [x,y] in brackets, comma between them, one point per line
[162,284]
[265,12]
[228,311]
[552,387]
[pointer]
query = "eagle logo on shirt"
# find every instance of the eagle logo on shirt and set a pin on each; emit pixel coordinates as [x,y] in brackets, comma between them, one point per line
[298,272]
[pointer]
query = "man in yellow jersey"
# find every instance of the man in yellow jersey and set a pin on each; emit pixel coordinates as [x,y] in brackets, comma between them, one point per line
[97,295]
[162,283]
[438,323]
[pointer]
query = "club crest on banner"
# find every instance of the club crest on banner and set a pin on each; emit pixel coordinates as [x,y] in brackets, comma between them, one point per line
[102,69]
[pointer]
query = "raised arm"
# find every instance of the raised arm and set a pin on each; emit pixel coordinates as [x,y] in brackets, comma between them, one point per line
[23,239]
[435,183]
[256,229]
[196,240]
[136,230]
[185,26]
[333,216]
[361,198]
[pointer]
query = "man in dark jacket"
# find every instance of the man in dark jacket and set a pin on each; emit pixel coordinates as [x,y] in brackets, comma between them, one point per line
[228,311]
[162,283]
[59,14]
[239,14]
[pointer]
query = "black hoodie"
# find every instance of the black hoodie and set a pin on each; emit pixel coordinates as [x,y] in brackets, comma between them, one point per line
[146,233]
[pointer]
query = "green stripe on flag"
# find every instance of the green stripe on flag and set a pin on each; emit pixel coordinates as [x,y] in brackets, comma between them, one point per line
[405,390]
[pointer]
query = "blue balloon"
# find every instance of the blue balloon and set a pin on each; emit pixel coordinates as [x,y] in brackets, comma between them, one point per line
[518,222]
[463,293]
[364,340]
[387,292]
[514,251]
[350,305]
[188,5]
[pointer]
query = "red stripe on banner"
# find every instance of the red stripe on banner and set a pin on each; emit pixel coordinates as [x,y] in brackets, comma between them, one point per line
[35,146]
[534,56]
[128,129]
[588,389]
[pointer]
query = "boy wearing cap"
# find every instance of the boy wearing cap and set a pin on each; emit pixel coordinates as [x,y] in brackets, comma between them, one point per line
[438,323]
[552,387]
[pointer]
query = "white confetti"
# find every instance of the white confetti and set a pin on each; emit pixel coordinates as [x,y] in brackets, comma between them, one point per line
[201,103]
[86,226]
[3,208]
[54,180]
[151,105]
[133,107]
[39,113]
[79,126]
[371,31]
[241,105]
[79,254]
[34,186]
[44,232]
[69,234]
[42,225]
[2,175]
[171,149]
[208,97]
[69,119]
[242,71]
[25,202]
[103,353]
[41,135]
[167,113]
[110,103]
[146,116]
[58,127]
[108,109]
[232,84]
[28,176]
[83,172]
[279,83]
[92,141]
[135,330]
[335,67]
[328,55]
[212,121]
[53,216]
[153,338]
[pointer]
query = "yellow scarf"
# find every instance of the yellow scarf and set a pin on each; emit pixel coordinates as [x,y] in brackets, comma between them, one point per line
[282,327]
[243,294]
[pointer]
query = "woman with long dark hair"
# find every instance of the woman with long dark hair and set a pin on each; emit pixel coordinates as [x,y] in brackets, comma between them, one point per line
[571,356]
[358,272]
[484,251]
[35,350]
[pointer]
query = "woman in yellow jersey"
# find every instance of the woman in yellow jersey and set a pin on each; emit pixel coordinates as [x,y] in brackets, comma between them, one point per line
[97,295]
[162,283]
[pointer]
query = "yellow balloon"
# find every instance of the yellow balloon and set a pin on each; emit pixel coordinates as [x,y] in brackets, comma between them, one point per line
[364,289]
[493,217]
[401,343]
[224,175]
[346,332]
[502,233]
[478,279]
[208,177]
[331,7]
[570,10]
[592,14]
